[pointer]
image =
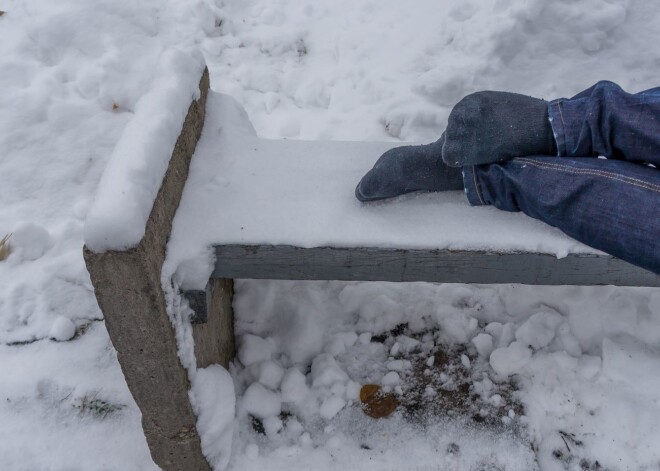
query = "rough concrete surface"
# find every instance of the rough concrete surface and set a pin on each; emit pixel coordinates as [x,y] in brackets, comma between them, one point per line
[128,289]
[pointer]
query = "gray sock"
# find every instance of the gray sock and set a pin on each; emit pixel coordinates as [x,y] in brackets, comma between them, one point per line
[409,168]
[487,127]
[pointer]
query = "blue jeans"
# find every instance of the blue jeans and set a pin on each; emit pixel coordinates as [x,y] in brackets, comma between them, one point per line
[610,204]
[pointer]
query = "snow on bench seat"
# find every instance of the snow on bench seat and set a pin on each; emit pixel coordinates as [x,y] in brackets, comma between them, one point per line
[285,209]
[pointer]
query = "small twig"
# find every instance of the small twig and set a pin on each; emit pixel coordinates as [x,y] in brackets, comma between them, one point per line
[5,250]
[571,438]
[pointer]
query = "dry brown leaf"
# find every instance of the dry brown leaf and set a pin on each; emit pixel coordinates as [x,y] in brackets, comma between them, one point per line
[368,391]
[382,406]
[377,404]
[115,106]
[2,12]
[5,250]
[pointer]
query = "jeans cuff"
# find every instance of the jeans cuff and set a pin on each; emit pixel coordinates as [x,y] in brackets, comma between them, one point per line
[472,188]
[556,119]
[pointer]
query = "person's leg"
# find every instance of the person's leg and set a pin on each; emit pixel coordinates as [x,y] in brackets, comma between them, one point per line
[409,168]
[605,120]
[611,205]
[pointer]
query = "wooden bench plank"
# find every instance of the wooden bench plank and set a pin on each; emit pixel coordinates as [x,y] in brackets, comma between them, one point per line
[442,266]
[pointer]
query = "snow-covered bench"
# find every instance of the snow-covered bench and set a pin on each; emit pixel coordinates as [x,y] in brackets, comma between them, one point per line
[278,209]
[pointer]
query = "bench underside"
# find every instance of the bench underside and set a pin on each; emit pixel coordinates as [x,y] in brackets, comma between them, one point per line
[441,266]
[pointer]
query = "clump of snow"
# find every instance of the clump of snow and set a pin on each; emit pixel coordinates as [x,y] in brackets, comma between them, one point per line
[294,386]
[509,360]
[254,349]
[63,329]
[127,190]
[260,402]
[270,374]
[212,396]
[30,241]
[539,330]
[484,344]
[331,407]
[272,426]
[391,379]
[326,372]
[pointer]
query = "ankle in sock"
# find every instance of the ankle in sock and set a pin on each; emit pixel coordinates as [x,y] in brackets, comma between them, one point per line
[406,169]
[487,127]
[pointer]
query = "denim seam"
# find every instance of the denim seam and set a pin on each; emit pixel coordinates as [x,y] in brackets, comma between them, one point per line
[476,186]
[600,173]
[564,138]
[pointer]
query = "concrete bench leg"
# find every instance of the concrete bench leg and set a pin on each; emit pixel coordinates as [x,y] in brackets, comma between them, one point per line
[129,292]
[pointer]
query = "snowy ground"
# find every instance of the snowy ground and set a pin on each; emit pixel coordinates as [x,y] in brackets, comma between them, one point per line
[71,73]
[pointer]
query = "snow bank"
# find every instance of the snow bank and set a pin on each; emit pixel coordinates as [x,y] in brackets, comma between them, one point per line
[73,77]
[132,178]
[392,70]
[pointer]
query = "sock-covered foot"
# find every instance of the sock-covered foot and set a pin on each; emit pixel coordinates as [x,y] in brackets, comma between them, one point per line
[487,127]
[409,168]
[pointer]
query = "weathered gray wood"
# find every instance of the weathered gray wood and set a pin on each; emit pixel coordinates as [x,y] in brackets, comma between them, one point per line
[443,266]
[128,289]
[199,302]
[214,338]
